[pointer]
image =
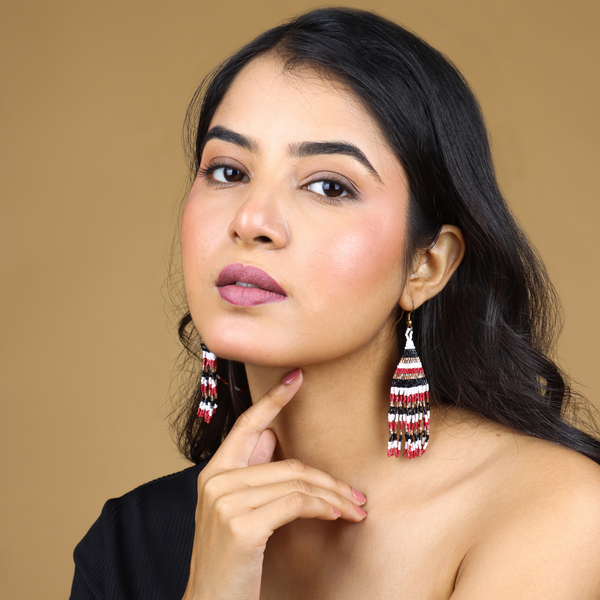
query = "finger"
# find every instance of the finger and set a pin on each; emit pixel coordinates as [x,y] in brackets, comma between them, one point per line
[292,469]
[288,508]
[238,446]
[264,448]
[256,497]
[289,470]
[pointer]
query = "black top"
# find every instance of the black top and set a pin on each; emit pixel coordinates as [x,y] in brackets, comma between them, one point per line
[141,545]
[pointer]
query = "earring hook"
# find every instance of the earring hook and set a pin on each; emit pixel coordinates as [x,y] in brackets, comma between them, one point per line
[400,319]
[408,319]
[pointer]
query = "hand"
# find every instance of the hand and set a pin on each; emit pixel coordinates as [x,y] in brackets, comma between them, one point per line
[243,498]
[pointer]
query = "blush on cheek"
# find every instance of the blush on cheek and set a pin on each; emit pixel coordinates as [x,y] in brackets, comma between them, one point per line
[190,252]
[186,231]
[366,262]
[198,233]
[197,252]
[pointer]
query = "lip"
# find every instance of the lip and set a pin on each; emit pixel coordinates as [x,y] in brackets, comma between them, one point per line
[268,289]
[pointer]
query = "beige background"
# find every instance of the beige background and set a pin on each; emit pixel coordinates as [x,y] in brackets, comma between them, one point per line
[92,102]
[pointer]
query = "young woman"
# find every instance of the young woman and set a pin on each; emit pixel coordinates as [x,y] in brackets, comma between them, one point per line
[376,329]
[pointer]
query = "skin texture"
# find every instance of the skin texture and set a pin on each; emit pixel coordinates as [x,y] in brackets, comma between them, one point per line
[477,515]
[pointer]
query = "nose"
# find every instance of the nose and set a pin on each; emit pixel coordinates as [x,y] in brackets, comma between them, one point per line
[258,222]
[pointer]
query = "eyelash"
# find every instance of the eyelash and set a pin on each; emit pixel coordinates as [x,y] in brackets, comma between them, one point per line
[205,173]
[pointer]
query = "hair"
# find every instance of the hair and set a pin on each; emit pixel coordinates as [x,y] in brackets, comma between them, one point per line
[486,339]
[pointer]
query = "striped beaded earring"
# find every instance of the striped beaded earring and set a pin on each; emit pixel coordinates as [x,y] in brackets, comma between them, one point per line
[409,403]
[208,385]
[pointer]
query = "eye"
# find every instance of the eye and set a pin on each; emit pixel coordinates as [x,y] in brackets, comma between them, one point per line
[228,174]
[328,188]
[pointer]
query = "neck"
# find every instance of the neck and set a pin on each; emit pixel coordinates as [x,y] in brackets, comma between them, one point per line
[337,421]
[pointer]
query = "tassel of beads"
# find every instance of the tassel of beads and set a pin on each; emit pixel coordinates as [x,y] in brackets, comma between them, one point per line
[208,385]
[409,412]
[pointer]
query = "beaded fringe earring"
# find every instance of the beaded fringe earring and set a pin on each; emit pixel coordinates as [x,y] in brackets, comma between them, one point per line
[208,385]
[409,403]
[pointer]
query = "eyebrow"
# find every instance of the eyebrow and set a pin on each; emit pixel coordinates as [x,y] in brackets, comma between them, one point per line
[296,150]
[221,133]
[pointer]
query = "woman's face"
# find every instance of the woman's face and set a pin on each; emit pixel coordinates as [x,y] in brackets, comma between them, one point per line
[296,181]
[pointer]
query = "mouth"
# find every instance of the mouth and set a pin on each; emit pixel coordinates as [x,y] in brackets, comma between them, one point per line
[248,286]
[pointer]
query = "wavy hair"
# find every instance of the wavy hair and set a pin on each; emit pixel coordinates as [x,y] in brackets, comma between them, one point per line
[486,339]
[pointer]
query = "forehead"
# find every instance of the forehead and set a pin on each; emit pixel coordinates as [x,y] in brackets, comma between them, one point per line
[266,101]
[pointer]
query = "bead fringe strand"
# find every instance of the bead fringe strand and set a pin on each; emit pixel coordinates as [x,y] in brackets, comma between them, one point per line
[409,413]
[208,385]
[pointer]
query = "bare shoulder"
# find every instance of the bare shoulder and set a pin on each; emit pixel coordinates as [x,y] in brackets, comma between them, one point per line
[521,461]
[538,522]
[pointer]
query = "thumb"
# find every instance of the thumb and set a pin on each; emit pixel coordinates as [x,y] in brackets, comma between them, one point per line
[264,448]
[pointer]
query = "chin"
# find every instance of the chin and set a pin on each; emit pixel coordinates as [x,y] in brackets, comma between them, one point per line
[257,347]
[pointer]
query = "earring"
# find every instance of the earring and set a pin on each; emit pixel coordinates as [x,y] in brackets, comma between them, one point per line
[409,403]
[208,385]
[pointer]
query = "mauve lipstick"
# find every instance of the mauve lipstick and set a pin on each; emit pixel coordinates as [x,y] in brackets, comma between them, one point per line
[259,288]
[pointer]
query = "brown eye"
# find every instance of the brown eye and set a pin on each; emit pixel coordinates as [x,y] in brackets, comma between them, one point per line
[228,175]
[331,189]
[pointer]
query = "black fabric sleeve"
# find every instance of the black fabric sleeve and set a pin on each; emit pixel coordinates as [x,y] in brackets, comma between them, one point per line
[140,547]
[89,561]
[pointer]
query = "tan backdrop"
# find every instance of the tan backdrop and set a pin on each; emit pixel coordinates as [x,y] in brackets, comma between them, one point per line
[92,102]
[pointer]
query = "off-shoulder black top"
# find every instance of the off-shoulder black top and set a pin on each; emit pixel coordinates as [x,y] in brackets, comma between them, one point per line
[141,545]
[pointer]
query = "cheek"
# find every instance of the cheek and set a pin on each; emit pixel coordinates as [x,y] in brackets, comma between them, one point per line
[362,265]
[192,235]
[198,245]
[193,231]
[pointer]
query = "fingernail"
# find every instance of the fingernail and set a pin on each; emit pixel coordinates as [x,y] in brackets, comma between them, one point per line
[337,512]
[359,496]
[291,377]
[360,511]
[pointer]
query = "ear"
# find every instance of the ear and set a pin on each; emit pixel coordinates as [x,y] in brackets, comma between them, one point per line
[434,267]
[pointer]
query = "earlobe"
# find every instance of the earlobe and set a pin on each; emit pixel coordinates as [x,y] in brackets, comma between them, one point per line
[435,267]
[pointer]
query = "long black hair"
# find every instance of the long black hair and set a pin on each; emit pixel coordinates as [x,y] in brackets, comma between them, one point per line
[486,339]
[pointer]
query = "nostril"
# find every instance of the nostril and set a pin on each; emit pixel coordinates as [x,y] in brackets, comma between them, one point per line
[263,239]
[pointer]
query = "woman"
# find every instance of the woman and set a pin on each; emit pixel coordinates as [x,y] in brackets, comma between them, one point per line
[344,218]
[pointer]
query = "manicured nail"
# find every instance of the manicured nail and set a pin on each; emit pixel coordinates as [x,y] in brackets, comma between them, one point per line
[291,377]
[360,511]
[337,512]
[359,496]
